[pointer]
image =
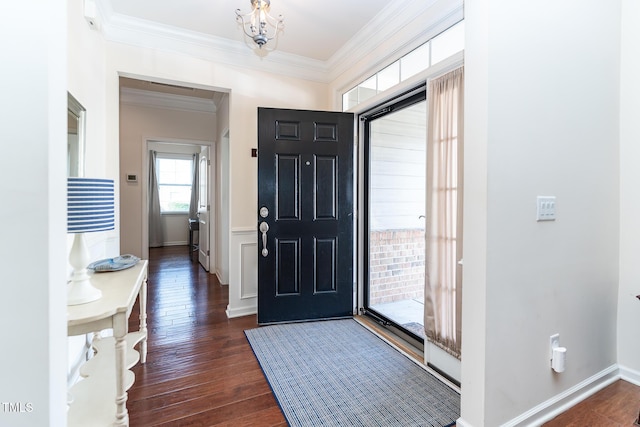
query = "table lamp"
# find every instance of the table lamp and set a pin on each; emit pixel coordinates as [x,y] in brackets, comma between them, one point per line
[90,208]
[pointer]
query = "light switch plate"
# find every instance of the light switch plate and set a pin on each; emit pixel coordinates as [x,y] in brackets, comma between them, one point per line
[546,208]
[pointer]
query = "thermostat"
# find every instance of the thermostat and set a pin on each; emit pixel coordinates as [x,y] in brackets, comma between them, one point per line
[132,177]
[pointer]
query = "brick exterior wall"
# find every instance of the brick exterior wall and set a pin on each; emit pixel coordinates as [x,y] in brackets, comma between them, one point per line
[396,259]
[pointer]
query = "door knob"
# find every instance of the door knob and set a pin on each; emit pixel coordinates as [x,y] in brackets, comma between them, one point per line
[264,227]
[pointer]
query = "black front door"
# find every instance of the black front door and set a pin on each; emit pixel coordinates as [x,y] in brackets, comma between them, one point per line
[305,215]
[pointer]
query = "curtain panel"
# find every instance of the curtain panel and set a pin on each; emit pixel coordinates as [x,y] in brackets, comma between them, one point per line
[443,278]
[156,234]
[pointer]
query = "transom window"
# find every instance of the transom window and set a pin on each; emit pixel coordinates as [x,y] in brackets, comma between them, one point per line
[175,176]
[442,46]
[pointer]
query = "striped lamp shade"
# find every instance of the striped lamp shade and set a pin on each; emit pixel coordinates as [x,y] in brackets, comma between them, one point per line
[90,205]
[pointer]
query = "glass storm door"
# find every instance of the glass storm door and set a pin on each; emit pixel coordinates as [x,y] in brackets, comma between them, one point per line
[395,162]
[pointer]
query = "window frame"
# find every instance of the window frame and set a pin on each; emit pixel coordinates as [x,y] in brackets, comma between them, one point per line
[173,156]
[369,87]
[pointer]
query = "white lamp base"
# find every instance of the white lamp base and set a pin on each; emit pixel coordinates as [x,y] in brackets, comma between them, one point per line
[81,291]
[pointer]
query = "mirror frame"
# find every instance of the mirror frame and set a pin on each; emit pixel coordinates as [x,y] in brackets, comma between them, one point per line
[79,112]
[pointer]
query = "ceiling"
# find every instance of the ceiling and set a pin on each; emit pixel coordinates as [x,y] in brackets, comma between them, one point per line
[320,41]
[314,30]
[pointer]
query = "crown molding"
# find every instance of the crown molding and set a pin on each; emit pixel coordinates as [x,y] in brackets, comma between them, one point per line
[145,98]
[407,31]
[378,30]
[152,35]
[414,23]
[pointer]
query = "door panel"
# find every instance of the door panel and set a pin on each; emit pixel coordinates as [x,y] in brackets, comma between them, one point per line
[287,184]
[305,181]
[325,265]
[288,266]
[326,191]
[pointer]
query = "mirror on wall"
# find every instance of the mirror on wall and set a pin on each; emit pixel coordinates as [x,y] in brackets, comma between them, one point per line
[75,137]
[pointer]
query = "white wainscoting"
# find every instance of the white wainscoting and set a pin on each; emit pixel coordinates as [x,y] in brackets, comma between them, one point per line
[249,266]
[243,272]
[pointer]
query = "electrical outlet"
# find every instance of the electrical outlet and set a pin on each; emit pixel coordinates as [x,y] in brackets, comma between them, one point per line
[554,341]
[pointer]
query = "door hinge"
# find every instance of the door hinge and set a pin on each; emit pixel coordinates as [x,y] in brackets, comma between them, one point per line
[208,208]
[208,252]
[208,162]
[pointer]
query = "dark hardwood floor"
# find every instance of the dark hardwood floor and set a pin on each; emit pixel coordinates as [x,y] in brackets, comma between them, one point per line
[616,405]
[201,371]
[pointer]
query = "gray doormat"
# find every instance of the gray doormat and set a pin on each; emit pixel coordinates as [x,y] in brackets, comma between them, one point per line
[338,373]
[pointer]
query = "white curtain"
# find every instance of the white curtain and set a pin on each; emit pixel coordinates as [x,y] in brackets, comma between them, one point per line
[443,278]
[193,203]
[156,234]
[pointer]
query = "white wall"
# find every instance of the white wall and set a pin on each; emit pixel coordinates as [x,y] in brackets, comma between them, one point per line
[541,112]
[33,218]
[86,68]
[628,305]
[475,214]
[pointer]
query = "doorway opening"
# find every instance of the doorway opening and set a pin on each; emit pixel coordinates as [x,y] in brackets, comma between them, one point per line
[180,119]
[177,187]
[394,199]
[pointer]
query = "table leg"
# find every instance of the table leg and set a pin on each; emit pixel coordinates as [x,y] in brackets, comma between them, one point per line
[122,416]
[143,321]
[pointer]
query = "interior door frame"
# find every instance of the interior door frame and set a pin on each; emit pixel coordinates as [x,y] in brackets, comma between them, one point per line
[222,208]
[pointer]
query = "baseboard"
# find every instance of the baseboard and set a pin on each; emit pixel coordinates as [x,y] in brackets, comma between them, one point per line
[630,375]
[176,243]
[219,277]
[239,312]
[559,403]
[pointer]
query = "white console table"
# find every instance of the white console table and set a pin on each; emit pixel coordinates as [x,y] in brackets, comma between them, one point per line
[100,397]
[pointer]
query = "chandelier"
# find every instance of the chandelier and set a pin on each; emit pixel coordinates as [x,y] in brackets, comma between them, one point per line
[258,24]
